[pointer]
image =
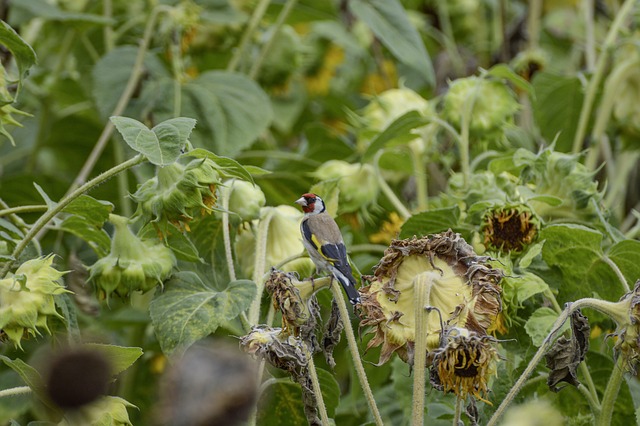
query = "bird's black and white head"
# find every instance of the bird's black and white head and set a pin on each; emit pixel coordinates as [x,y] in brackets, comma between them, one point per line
[311,204]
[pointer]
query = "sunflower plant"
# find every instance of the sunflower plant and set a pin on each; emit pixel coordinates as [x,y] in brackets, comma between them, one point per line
[479,158]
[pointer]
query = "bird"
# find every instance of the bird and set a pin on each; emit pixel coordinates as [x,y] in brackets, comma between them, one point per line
[323,241]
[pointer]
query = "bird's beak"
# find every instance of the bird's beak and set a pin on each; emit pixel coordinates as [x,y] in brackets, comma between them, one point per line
[301,201]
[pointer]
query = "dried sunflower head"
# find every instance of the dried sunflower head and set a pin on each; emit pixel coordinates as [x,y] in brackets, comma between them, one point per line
[294,298]
[464,363]
[466,292]
[509,228]
[626,313]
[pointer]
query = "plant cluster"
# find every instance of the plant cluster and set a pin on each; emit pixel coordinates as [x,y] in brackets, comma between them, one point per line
[480,158]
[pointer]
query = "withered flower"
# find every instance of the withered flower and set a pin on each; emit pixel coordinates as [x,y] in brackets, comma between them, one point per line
[466,293]
[464,364]
[566,354]
[287,352]
[509,228]
[628,332]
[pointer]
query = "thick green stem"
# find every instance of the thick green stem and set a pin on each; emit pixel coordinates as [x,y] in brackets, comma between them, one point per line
[259,265]
[458,413]
[132,83]
[590,40]
[615,310]
[313,375]
[50,214]
[258,13]
[611,94]
[225,232]
[611,393]
[20,390]
[355,354]
[533,22]
[618,273]
[420,176]
[123,182]
[422,285]
[257,65]
[384,186]
[23,209]
[594,83]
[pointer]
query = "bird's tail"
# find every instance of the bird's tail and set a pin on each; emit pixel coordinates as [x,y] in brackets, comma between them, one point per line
[348,282]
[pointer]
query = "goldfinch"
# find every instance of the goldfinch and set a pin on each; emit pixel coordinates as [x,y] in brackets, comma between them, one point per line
[323,240]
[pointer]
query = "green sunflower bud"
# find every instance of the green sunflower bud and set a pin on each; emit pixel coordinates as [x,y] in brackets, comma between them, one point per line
[465,292]
[132,265]
[26,299]
[358,183]
[386,108]
[245,198]
[283,241]
[179,192]
[559,176]
[107,411]
[492,104]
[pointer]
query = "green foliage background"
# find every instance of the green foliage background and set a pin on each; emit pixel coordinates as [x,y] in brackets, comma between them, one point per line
[273,92]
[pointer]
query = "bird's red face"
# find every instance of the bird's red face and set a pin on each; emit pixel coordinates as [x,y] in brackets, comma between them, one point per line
[307,202]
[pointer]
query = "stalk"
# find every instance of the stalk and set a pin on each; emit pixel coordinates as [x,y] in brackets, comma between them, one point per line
[257,65]
[599,73]
[384,186]
[313,375]
[134,78]
[20,390]
[422,284]
[22,209]
[66,200]
[258,13]
[355,355]
[458,413]
[225,234]
[259,265]
[611,393]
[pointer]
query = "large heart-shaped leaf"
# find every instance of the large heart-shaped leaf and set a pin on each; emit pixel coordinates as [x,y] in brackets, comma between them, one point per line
[190,309]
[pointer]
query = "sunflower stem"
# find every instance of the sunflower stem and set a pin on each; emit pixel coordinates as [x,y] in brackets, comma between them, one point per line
[66,200]
[22,209]
[603,306]
[14,391]
[384,186]
[225,232]
[355,354]
[458,413]
[258,13]
[313,375]
[611,393]
[259,265]
[422,284]
[594,83]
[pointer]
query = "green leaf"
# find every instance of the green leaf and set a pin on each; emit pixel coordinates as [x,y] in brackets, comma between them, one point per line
[576,250]
[389,22]
[163,144]
[229,166]
[398,132]
[32,378]
[503,71]
[112,72]
[431,222]
[284,407]
[556,107]
[189,309]
[23,53]
[120,357]
[540,323]
[175,239]
[626,255]
[96,212]
[232,109]
[532,252]
[47,11]
[330,391]
[88,217]
[528,285]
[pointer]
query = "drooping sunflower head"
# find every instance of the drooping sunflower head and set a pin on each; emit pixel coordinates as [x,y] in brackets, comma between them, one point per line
[465,292]
[509,228]
[464,364]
